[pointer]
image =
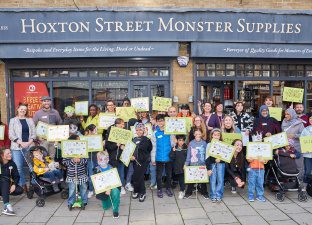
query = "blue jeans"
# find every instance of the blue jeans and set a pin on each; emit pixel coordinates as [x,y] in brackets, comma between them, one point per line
[130,173]
[72,192]
[255,182]
[217,180]
[307,169]
[153,174]
[53,175]
[19,160]
[121,172]
[92,163]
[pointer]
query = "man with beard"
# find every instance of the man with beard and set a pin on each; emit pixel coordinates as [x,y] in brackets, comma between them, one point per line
[299,108]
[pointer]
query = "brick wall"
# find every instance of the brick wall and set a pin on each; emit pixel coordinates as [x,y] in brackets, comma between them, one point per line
[3,103]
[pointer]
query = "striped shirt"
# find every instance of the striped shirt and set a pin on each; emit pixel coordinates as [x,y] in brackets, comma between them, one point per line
[81,171]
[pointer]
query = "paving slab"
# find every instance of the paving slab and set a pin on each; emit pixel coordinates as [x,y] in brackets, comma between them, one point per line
[254,220]
[284,222]
[243,210]
[272,214]
[214,207]
[189,203]
[86,216]
[302,218]
[122,220]
[4,219]
[166,209]
[221,217]
[172,219]
[197,222]
[139,215]
[61,220]
[290,208]
[234,201]
[193,213]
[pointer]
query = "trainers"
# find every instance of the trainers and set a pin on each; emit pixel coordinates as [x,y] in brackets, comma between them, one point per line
[213,200]
[169,192]
[251,199]
[135,195]
[219,200]
[1,199]
[142,198]
[90,194]
[233,190]
[206,196]
[186,196]
[122,191]
[261,199]
[129,187]
[153,187]
[70,207]
[181,194]
[8,210]
[160,194]
[115,215]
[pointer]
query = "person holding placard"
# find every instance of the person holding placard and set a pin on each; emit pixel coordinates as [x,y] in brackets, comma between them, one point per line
[242,120]
[211,119]
[110,106]
[141,159]
[71,120]
[93,118]
[307,157]
[216,170]
[198,124]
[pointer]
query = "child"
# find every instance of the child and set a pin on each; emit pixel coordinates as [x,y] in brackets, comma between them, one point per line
[178,155]
[196,155]
[216,170]
[109,198]
[71,120]
[45,167]
[76,169]
[141,159]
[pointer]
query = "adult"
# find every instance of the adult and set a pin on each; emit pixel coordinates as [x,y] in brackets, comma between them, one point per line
[22,134]
[198,124]
[9,179]
[49,116]
[126,102]
[93,118]
[293,126]
[242,120]
[211,119]
[185,111]
[6,140]
[219,112]
[229,125]
[110,106]
[299,108]
[268,101]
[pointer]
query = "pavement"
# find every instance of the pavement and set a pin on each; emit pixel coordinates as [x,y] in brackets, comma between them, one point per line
[234,209]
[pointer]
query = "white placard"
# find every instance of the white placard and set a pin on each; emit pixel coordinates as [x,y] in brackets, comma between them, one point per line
[58,132]
[175,125]
[82,108]
[95,142]
[140,104]
[220,150]
[106,120]
[259,150]
[74,149]
[277,140]
[42,130]
[195,174]
[127,152]
[105,181]
[245,138]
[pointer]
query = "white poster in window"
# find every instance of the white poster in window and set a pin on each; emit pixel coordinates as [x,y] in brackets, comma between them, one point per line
[81,108]
[95,142]
[42,130]
[58,133]
[175,125]
[106,120]
[127,153]
[105,181]
[259,150]
[195,174]
[140,104]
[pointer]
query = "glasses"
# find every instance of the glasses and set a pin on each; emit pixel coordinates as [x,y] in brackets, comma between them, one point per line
[161,120]
[110,105]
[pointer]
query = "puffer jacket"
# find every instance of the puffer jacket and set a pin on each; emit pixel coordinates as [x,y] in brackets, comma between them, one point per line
[162,146]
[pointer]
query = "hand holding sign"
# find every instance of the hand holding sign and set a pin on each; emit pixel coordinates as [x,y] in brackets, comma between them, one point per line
[74,149]
[106,181]
[195,174]
[293,94]
[120,136]
[161,104]
[220,150]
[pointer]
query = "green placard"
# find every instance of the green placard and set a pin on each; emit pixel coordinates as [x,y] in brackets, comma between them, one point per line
[140,104]
[105,181]
[293,94]
[119,136]
[230,137]
[277,140]
[161,104]
[259,150]
[276,113]
[175,125]
[57,133]
[95,142]
[127,152]
[126,113]
[195,174]
[74,149]
[306,144]
[220,150]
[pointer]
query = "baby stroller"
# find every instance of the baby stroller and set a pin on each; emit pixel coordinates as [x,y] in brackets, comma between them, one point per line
[40,185]
[309,186]
[284,173]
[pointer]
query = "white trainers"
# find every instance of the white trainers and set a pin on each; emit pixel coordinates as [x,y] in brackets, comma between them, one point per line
[129,187]
[153,187]
[181,194]
[90,194]
[122,191]
[8,210]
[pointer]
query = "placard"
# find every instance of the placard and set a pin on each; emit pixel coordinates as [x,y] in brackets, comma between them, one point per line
[259,150]
[230,137]
[127,152]
[220,150]
[74,149]
[105,181]
[293,94]
[245,138]
[189,123]
[2,128]
[277,140]
[82,108]
[175,125]
[95,142]
[161,104]
[119,135]
[140,104]
[195,174]
[306,144]
[276,113]
[106,120]
[42,130]
[57,132]
[126,113]
[148,130]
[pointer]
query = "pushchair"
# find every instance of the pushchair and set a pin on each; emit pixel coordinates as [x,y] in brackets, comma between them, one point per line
[283,173]
[43,187]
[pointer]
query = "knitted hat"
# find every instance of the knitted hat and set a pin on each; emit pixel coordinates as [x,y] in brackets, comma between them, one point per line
[139,126]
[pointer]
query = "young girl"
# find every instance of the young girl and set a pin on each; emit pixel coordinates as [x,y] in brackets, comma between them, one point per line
[178,155]
[76,167]
[141,159]
[109,198]
[196,155]
[216,170]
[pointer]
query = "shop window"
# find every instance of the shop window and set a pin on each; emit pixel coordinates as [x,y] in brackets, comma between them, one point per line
[143,72]
[230,66]
[230,73]
[112,72]
[200,73]
[278,91]
[211,73]
[211,66]
[201,66]
[164,72]
[133,72]
[309,97]
[83,73]
[220,73]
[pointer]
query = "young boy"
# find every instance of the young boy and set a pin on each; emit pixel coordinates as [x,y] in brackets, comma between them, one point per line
[161,142]
[109,198]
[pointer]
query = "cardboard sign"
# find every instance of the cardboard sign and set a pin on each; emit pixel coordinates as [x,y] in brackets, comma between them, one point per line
[195,174]
[127,153]
[119,135]
[230,137]
[259,150]
[42,130]
[245,138]
[81,108]
[189,123]
[95,142]
[220,150]
[148,130]
[106,120]
[276,113]
[306,144]
[126,113]
[2,128]
[57,133]
[74,149]
[293,94]
[175,125]
[277,140]
[161,104]
[140,104]
[105,181]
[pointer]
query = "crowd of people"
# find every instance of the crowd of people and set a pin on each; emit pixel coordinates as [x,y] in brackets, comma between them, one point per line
[161,157]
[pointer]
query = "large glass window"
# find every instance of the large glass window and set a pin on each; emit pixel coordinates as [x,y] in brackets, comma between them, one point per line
[309,97]
[278,91]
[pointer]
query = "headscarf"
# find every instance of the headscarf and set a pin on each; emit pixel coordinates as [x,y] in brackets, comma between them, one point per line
[262,108]
[293,119]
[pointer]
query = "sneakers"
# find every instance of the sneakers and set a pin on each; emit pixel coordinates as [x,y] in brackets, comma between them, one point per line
[142,198]
[181,194]
[169,192]
[135,195]
[213,200]
[153,187]
[261,199]
[219,200]
[129,187]
[8,210]
[122,191]
[233,190]
[1,199]
[160,194]
[70,207]
[186,196]
[90,194]
[206,196]
[251,199]
[115,215]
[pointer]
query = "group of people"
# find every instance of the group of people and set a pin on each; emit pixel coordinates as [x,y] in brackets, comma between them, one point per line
[160,155]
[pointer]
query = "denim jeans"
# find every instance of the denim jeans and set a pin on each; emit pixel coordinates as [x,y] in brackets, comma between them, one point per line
[72,192]
[92,163]
[121,172]
[255,182]
[307,169]
[129,173]
[18,158]
[53,175]
[217,180]
[153,174]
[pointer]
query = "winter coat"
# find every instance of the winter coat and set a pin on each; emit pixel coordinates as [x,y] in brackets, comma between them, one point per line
[162,144]
[178,156]
[143,149]
[9,171]
[296,129]
[243,121]
[15,131]
[113,150]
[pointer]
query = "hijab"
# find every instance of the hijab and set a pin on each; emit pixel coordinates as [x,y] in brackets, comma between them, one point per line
[293,119]
[263,107]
